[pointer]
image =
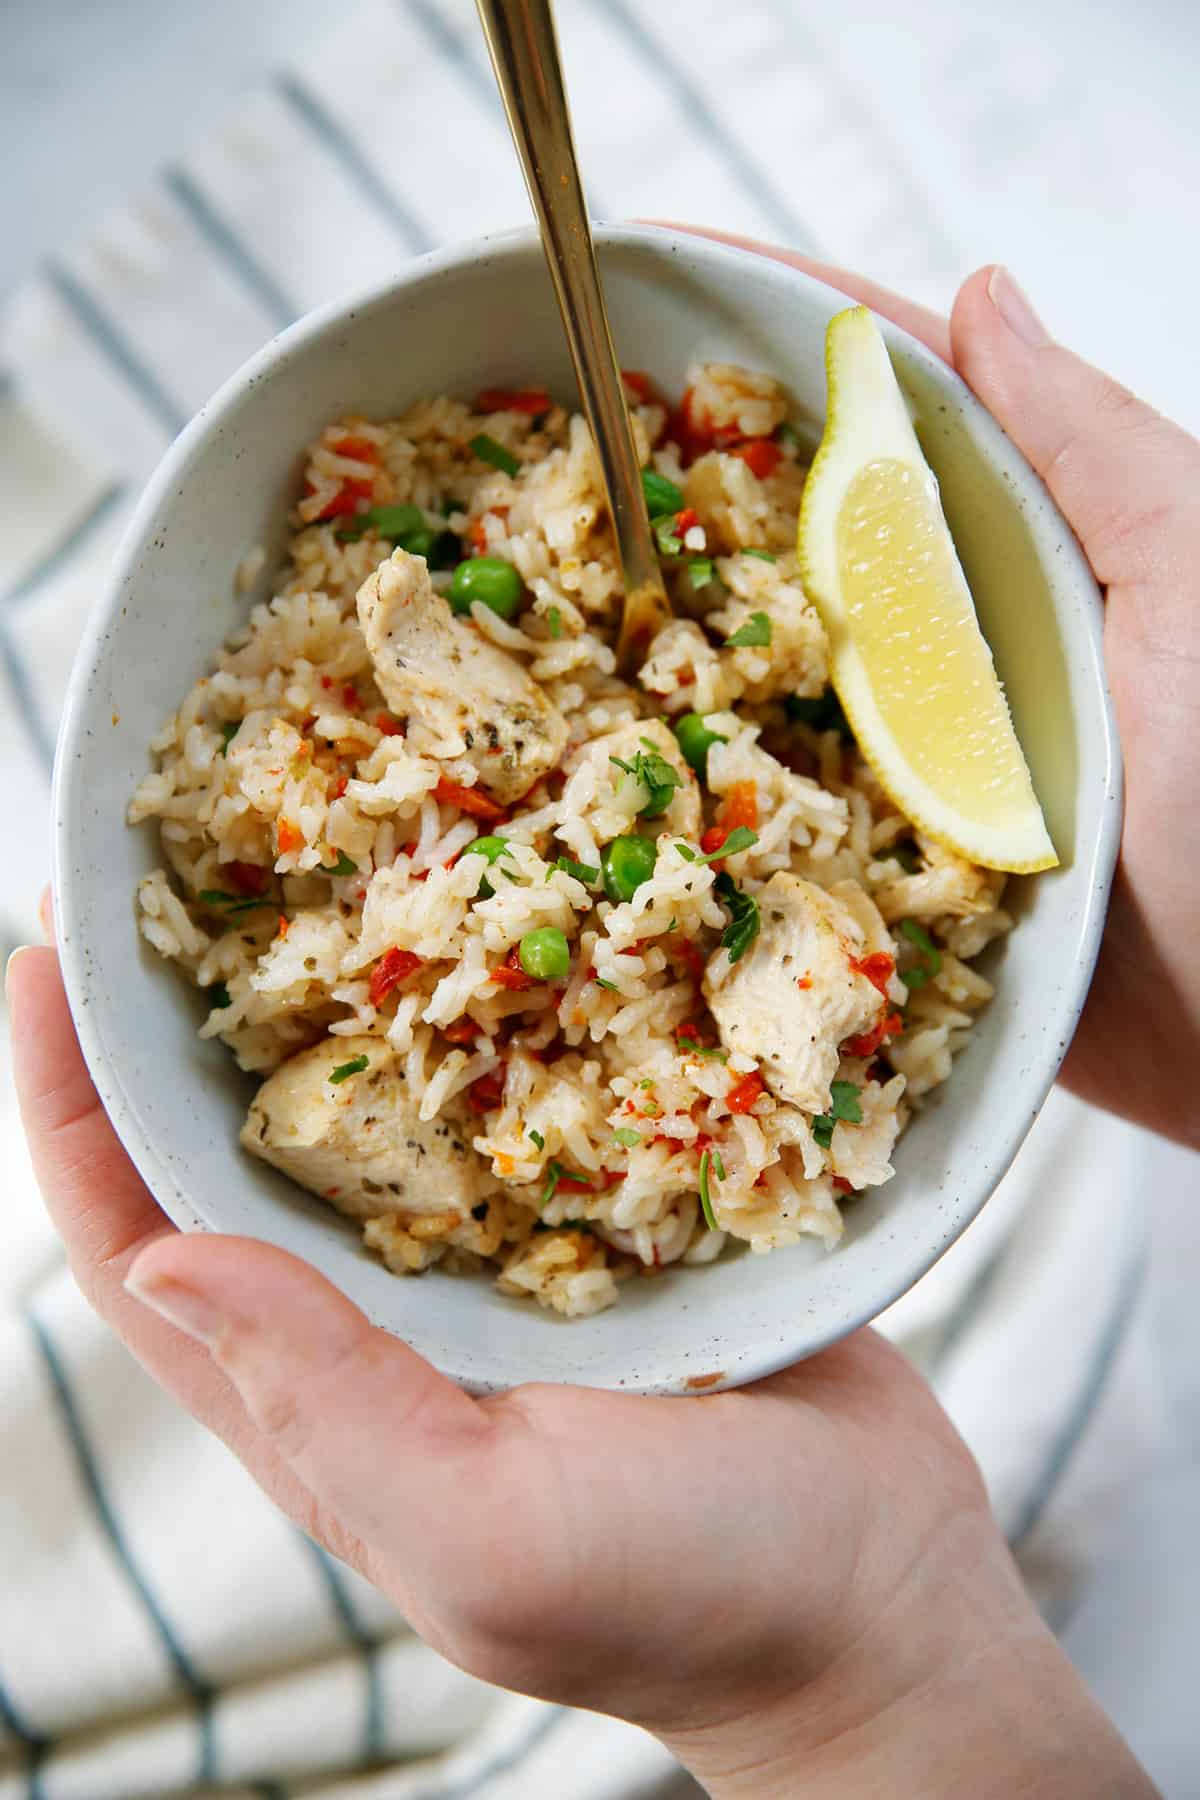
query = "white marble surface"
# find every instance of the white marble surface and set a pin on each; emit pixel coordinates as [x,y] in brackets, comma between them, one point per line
[1062,140]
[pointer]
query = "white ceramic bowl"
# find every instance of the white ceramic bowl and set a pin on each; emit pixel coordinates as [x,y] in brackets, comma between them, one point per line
[458,321]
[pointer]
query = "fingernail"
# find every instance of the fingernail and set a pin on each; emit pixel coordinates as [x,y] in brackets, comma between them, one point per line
[182,1306]
[1011,302]
[21,950]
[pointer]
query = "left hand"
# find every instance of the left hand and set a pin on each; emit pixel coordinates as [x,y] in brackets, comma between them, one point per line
[760,1577]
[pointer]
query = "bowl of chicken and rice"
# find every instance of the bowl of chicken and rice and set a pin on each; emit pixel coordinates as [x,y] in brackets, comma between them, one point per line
[583,1021]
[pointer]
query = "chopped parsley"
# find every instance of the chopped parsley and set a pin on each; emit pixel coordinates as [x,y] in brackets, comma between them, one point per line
[627,1136]
[931,956]
[489,451]
[710,1218]
[355,1066]
[762,555]
[343,866]
[657,776]
[611,986]
[844,1108]
[756,631]
[662,495]
[740,838]
[554,622]
[218,996]
[823,712]
[228,732]
[554,1174]
[742,928]
[580,871]
[230,903]
[537,1138]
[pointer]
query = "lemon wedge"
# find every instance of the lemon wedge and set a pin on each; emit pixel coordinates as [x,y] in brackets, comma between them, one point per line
[910,665]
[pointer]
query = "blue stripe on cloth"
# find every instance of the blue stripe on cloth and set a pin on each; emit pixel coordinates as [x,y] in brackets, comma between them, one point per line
[221,237]
[28,710]
[115,347]
[349,153]
[60,553]
[36,1746]
[1112,1337]
[694,106]
[200,1690]
[502,1763]
[363,1639]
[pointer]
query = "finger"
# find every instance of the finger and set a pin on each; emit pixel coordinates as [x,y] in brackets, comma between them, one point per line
[918,321]
[1125,477]
[336,1398]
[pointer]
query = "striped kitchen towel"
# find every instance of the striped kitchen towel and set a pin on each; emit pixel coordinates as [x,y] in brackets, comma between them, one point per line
[163,1630]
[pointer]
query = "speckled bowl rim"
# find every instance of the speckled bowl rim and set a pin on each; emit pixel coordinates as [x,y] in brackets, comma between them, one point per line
[70,784]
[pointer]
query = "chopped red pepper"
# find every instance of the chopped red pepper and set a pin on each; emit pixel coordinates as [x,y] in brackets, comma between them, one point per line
[878,968]
[842,1186]
[803,981]
[866,1043]
[743,1093]
[477,533]
[713,838]
[350,699]
[347,500]
[283,924]
[691,1036]
[760,456]
[390,727]
[522,400]
[640,384]
[393,967]
[359,449]
[740,806]
[573,1184]
[289,837]
[461,1031]
[340,786]
[510,974]
[247,878]
[468,800]
[487,1093]
[686,519]
[327,681]
[695,433]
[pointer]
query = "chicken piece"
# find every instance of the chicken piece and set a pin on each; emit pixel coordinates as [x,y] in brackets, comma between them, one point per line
[796,993]
[358,1142]
[441,670]
[618,796]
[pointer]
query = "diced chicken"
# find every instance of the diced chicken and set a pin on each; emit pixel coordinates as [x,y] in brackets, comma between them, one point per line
[619,797]
[359,1142]
[796,993]
[466,691]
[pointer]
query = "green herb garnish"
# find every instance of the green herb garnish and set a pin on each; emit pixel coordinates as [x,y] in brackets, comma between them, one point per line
[657,776]
[537,1138]
[554,1174]
[626,1136]
[218,996]
[787,434]
[228,732]
[823,712]
[762,555]
[665,535]
[355,1066]
[740,838]
[662,496]
[611,986]
[489,451]
[343,866]
[844,1107]
[700,570]
[931,956]
[393,522]
[580,871]
[742,928]
[718,1165]
[710,1218]
[756,631]
[554,622]
[230,903]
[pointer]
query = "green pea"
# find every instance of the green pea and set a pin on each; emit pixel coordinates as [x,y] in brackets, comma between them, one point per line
[493,848]
[545,954]
[625,864]
[486,578]
[695,740]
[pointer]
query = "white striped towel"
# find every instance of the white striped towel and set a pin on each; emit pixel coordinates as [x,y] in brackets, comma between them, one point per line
[163,1630]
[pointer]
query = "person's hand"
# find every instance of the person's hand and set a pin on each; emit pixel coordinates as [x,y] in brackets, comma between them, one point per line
[798,1585]
[1128,481]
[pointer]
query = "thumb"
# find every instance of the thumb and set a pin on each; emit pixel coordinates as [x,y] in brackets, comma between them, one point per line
[380,1439]
[1125,477]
